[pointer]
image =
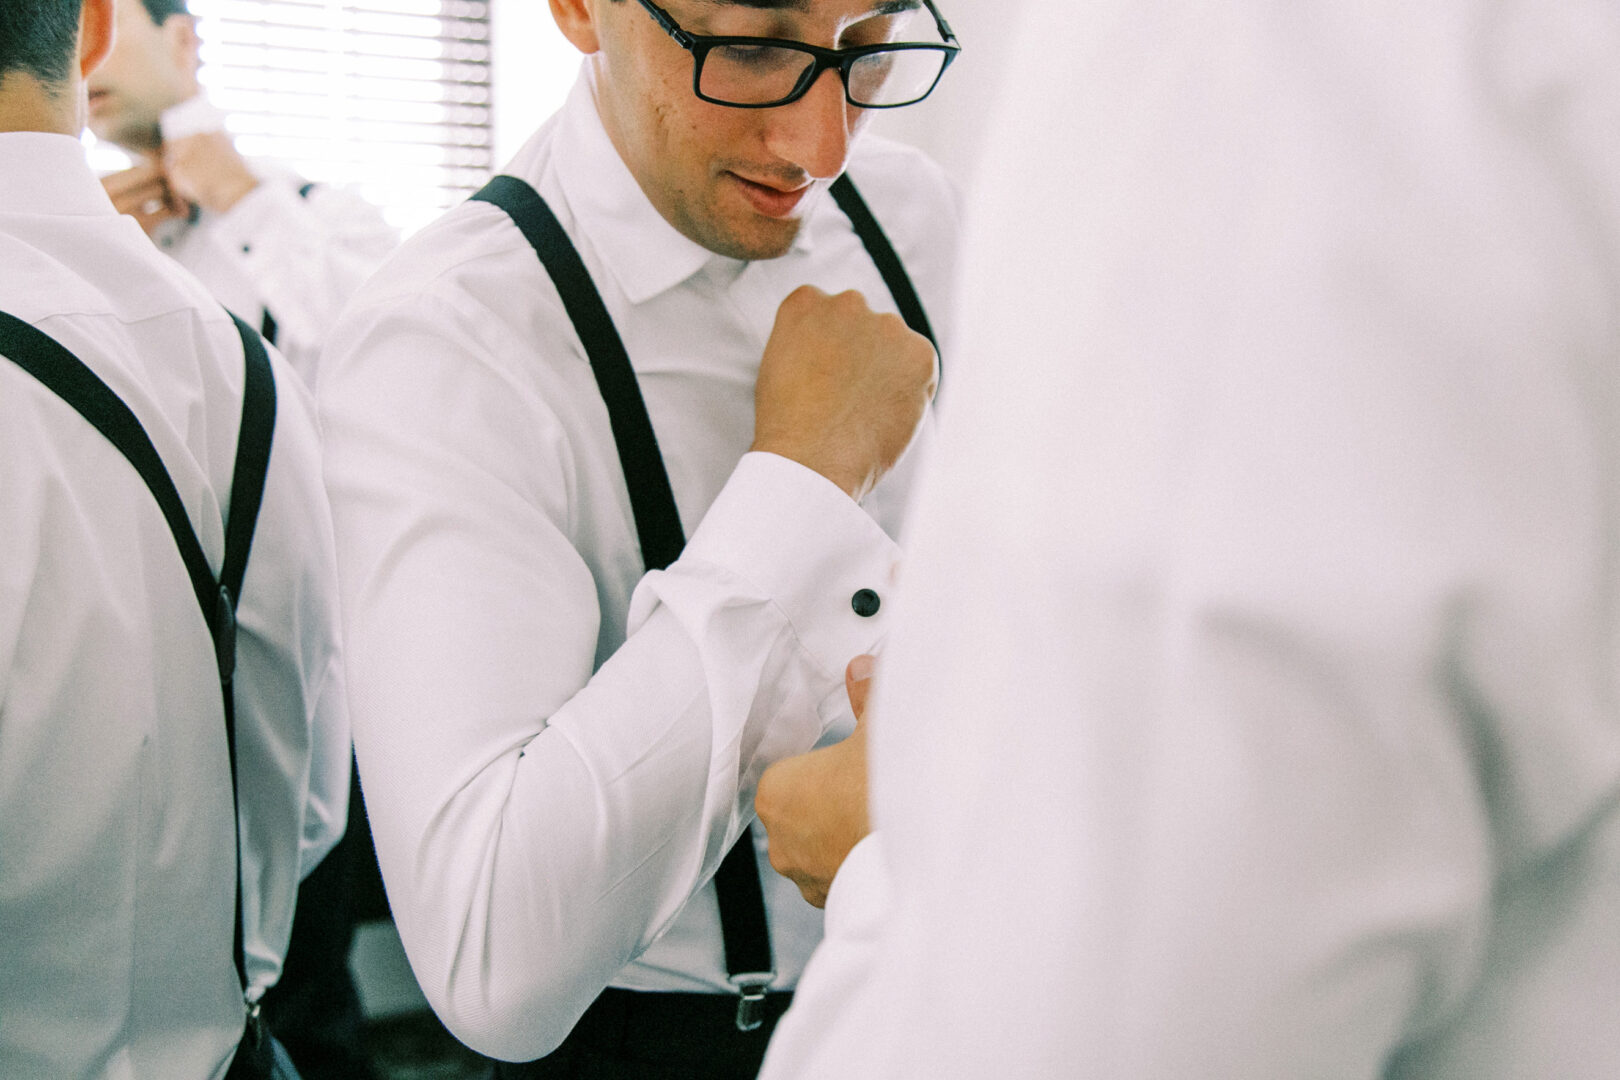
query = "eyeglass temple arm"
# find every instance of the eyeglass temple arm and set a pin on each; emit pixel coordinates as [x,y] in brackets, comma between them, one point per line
[939,20]
[672,28]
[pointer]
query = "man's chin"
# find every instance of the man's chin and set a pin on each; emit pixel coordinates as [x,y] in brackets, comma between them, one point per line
[755,239]
[136,139]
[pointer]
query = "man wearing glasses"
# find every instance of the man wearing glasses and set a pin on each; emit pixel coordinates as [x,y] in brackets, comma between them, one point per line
[698,308]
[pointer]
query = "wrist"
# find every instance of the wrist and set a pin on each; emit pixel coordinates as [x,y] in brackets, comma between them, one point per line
[849,477]
[224,195]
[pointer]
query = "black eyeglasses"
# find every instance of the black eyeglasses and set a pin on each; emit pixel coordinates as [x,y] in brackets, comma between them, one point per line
[758,73]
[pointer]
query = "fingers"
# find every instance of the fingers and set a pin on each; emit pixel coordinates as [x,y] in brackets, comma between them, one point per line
[144,194]
[858,682]
[119,185]
[814,811]
[207,169]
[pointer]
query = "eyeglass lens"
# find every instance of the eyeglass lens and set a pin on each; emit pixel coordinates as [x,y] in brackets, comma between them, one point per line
[764,74]
[760,74]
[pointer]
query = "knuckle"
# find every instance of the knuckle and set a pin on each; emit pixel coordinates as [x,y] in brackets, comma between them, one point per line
[805,296]
[765,795]
[778,862]
[851,300]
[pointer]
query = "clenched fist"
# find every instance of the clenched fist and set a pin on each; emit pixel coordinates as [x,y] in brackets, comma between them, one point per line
[841,389]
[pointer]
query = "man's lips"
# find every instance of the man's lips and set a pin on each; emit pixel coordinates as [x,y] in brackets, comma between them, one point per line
[768,199]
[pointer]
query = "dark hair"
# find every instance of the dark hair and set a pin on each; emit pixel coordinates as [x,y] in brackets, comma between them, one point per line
[160,10]
[40,37]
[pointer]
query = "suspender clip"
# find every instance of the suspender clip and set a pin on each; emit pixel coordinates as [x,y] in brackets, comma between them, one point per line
[255,1022]
[750,987]
[225,635]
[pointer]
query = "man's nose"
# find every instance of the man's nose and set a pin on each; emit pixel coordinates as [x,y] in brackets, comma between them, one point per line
[814,132]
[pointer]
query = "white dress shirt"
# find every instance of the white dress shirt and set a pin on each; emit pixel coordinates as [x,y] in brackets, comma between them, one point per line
[1253,707]
[116,856]
[551,770]
[291,248]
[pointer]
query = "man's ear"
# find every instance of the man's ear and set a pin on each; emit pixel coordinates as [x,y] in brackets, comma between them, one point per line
[577,20]
[95,34]
[185,47]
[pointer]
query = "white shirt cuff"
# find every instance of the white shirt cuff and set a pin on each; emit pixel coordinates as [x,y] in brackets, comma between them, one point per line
[801,540]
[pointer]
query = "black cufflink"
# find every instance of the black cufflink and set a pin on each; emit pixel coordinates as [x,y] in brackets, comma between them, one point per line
[866,603]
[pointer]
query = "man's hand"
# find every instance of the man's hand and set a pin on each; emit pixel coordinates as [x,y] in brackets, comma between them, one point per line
[143,193]
[841,390]
[813,806]
[207,170]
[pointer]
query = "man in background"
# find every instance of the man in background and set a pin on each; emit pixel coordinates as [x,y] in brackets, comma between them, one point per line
[1253,711]
[121,859]
[281,252]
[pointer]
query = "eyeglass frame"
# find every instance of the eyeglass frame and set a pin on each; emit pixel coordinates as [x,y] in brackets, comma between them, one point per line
[841,60]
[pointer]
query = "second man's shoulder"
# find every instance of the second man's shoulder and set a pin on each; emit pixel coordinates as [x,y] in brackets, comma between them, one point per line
[471,249]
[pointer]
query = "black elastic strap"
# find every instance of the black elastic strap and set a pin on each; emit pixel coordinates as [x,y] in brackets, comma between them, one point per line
[268,327]
[742,910]
[68,378]
[253,439]
[65,375]
[253,442]
[652,502]
[888,263]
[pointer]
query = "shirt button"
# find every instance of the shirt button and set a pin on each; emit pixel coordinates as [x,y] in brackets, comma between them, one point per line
[865,603]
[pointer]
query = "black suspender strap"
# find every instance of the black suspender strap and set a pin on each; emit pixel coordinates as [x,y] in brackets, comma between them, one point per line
[658,523]
[884,256]
[743,924]
[745,930]
[65,375]
[252,464]
[252,460]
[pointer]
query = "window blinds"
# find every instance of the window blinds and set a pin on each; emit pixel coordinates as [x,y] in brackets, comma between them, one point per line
[391,97]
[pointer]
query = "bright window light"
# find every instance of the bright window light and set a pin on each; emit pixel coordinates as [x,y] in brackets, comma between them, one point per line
[390,97]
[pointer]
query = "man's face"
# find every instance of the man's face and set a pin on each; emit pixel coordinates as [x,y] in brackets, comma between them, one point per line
[150,69]
[736,181]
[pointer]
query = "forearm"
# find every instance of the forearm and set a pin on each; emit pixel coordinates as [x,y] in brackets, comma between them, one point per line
[522,890]
[538,825]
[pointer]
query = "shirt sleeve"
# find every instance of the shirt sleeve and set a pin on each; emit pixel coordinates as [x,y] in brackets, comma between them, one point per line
[839,992]
[293,722]
[538,823]
[307,249]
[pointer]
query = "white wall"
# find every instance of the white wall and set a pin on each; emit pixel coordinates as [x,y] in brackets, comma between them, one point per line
[951,124]
[534,68]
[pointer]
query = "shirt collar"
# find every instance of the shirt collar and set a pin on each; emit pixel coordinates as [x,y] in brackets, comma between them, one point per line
[645,253]
[44,173]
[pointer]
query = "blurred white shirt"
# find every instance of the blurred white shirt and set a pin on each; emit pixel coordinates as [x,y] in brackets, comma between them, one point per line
[1252,708]
[287,256]
[116,853]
